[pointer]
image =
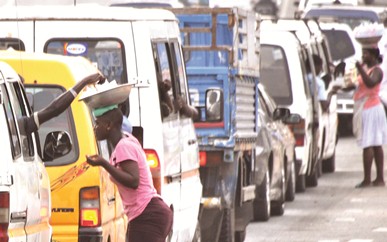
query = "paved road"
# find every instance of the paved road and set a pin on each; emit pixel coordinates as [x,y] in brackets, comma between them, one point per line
[334,211]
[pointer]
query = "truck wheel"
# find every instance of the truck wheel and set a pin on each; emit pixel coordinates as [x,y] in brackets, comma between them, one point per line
[328,165]
[198,235]
[261,204]
[228,228]
[291,186]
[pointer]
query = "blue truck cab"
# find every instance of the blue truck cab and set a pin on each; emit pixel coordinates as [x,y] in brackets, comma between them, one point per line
[221,50]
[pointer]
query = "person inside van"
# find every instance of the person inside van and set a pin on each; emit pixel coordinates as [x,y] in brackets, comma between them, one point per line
[150,218]
[323,96]
[167,105]
[58,105]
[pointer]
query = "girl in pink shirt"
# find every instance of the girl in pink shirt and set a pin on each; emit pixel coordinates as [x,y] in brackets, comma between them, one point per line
[150,218]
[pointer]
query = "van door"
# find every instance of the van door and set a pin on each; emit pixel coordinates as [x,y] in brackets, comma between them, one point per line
[37,224]
[170,121]
[191,187]
[11,182]
[31,201]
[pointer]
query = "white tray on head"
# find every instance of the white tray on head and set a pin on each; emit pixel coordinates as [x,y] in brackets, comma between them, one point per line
[114,94]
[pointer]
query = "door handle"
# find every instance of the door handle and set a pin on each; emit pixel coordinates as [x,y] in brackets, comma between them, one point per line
[191,141]
[111,200]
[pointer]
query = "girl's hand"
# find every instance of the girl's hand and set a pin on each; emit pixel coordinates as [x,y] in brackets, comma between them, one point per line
[95,160]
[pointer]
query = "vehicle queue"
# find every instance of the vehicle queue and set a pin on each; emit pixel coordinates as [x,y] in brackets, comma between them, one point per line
[286,152]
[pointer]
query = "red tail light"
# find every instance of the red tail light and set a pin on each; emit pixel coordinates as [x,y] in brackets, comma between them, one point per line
[89,207]
[4,216]
[152,158]
[202,158]
[210,158]
[299,132]
[154,163]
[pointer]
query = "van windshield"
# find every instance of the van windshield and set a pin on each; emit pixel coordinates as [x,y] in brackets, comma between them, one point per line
[40,97]
[340,44]
[275,74]
[106,54]
[352,17]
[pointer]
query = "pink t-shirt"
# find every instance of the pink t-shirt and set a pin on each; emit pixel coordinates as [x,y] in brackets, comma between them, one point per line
[134,200]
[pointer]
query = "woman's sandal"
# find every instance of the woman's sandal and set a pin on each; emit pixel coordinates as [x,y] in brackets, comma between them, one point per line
[363,184]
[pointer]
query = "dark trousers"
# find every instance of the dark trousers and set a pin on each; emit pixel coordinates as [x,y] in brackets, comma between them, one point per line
[153,225]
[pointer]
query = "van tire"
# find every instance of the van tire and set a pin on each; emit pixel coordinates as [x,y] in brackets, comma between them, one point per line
[291,186]
[261,205]
[240,236]
[278,206]
[328,165]
[300,179]
[312,179]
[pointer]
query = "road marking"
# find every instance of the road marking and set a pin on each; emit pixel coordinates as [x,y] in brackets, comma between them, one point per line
[360,240]
[355,210]
[358,200]
[347,219]
[380,229]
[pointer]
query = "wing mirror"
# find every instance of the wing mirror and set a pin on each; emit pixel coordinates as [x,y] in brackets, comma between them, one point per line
[281,113]
[214,105]
[57,144]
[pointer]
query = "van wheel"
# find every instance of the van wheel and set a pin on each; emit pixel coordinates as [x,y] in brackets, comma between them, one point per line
[198,235]
[291,186]
[328,165]
[261,205]
[278,206]
[312,179]
[300,179]
[240,236]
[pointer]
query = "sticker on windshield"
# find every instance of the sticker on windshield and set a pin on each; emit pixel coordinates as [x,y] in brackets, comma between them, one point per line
[75,49]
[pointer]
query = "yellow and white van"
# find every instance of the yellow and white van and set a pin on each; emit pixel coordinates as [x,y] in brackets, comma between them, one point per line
[138,46]
[86,205]
[25,201]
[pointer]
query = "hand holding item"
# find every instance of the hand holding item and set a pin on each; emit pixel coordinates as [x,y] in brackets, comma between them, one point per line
[95,160]
[335,89]
[96,78]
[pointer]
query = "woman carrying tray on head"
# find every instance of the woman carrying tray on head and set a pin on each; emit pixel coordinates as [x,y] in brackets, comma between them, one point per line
[150,218]
[369,118]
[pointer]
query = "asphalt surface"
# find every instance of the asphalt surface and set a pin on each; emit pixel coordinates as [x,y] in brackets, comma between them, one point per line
[334,211]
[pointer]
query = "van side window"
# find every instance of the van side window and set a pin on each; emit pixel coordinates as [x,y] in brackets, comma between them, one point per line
[42,95]
[11,120]
[106,54]
[275,74]
[179,74]
[14,43]
[165,81]
[22,110]
[304,56]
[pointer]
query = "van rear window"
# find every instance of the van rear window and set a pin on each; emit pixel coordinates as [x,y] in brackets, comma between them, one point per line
[40,97]
[275,74]
[106,54]
[11,43]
